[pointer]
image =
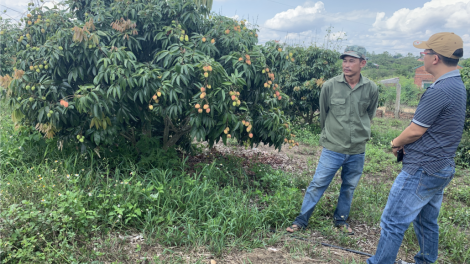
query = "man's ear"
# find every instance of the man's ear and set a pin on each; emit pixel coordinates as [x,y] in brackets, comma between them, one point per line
[363,63]
[436,60]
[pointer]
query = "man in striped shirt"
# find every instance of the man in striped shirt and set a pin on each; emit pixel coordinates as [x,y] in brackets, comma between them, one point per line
[429,144]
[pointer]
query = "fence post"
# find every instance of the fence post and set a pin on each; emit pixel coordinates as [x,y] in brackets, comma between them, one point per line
[395,81]
[397,101]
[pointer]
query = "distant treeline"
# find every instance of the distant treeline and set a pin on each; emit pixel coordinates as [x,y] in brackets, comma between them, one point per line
[380,66]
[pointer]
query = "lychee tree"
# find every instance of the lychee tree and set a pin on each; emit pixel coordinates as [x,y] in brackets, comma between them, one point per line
[302,70]
[8,29]
[98,70]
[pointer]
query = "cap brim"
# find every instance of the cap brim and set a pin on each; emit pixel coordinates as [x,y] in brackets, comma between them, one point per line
[348,54]
[421,45]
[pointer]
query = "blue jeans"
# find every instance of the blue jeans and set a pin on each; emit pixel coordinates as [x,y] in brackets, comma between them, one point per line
[413,198]
[329,164]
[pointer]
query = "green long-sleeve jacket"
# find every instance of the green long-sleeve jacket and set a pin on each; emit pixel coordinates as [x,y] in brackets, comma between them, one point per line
[345,114]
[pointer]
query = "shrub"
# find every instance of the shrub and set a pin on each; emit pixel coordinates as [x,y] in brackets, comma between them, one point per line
[387,95]
[410,93]
[462,155]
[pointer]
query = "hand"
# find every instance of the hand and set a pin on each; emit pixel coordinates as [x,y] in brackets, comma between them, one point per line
[397,149]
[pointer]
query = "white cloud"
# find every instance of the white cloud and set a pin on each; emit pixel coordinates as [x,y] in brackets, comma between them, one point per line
[466,42]
[266,35]
[300,17]
[314,16]
[334,41]
[446,14]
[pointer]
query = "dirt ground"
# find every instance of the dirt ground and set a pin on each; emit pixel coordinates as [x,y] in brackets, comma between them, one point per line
[404,109]
[283,252]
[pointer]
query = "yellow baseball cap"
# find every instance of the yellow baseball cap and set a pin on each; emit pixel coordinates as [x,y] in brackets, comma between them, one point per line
[444,43]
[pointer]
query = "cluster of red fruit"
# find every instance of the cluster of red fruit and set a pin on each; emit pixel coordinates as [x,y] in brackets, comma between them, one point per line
[270,82]
[207,69]
[248,129]
[204,40]
[199,109]
[64,103]
[234,96]
[248,59]
[155,98]
[291,142]
[237,28]
[203,95]
[291,56]
[226,130]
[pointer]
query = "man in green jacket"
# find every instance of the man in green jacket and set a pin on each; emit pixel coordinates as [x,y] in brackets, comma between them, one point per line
[347,105]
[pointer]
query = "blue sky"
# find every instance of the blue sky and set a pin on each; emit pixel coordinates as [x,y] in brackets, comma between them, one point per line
[378,25]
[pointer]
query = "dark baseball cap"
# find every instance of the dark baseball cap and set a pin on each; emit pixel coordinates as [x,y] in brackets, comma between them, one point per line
[354,51]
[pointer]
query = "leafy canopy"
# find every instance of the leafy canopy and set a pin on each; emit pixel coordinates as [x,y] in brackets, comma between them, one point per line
[98,70]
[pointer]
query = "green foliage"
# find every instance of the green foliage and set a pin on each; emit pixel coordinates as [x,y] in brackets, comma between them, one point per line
[410,93]
[390,65]
[462,156]
[308,133]
[465,73]
[463,152]
[384,130]
[163,69]
[7,46]
[301,72]
[387,96]
[59,206]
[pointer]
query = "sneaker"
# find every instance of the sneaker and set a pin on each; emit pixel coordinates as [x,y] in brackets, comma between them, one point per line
[403,262]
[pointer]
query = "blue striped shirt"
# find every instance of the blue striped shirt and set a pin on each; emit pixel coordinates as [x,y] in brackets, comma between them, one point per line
[442,110]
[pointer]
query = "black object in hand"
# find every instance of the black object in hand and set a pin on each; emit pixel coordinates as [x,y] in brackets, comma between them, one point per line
[399,155]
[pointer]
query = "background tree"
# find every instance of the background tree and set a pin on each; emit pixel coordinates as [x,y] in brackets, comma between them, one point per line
[302,72]
[381,66]
[8,29]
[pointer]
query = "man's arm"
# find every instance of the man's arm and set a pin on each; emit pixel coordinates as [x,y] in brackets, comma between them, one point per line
[412,133]
[324,105]
[373,104]
[429,109]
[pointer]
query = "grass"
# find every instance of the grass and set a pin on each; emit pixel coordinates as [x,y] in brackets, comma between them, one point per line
[72,207]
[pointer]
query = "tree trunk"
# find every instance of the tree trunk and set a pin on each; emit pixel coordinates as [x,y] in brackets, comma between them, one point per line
[170,140]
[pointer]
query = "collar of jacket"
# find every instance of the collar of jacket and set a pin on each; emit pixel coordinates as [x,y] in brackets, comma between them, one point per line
[362,80]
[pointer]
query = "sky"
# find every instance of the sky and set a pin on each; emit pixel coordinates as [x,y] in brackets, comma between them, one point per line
[379,26]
